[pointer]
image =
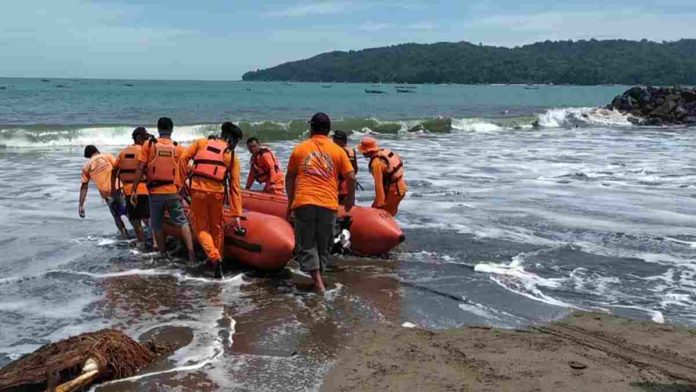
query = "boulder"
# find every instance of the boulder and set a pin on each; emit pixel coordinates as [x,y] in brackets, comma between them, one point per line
[672,97]
[663,110]
[616,102]
[659,101]
[654,121]
[689,96]
[628,103]
[680,113]
[634,92]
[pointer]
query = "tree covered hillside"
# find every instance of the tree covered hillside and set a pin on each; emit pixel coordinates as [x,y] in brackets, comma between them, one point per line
[562,62]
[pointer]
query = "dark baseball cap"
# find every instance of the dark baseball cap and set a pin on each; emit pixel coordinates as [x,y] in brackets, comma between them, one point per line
[340,135]
[320,121]
[140,132]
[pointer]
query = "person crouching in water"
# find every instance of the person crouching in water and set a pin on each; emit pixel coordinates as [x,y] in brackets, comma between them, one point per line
[387,169]
[124,171]
[215,172]
[160,157]
[341,138]
[264,168]
[99,169]
[312,186]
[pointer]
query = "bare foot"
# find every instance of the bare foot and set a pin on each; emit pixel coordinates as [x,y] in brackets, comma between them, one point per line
[318,283]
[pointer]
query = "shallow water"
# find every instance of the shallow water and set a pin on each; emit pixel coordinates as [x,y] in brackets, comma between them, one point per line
[504,227]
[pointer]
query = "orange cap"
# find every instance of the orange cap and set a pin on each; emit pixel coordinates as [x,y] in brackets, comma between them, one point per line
[368,144]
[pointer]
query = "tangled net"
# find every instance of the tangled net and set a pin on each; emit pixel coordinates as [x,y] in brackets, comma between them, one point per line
[116,354]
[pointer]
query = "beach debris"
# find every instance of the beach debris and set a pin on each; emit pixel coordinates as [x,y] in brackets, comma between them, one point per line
[577,365]
[80,361]
[408,325]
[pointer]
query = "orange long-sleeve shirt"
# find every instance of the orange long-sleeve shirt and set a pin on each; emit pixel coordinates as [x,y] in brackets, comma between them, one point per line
[208,185]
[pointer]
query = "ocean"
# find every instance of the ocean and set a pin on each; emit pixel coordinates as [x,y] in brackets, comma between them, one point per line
[525,204]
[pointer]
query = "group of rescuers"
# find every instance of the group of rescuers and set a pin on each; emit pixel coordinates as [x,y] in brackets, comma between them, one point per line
[149,176]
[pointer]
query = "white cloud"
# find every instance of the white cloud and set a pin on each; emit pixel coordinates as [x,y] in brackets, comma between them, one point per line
[628,23]
[308,9]
[375,26]
[422,26]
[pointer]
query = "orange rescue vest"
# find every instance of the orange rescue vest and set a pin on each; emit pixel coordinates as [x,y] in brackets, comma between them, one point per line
[128,163]
[210,161]
[395,166]
[162,166]
[261,175]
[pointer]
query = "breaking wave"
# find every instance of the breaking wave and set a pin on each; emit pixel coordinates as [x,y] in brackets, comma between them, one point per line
[110,135]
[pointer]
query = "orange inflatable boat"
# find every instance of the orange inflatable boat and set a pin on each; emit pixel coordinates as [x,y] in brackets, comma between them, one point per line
[267,245]
[373,232]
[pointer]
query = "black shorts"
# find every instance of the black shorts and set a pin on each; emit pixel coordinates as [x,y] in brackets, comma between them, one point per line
[140,211]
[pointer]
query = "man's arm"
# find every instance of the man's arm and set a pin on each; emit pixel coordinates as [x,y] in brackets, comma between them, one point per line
[250,177]
[290,178]
[83,197]
[234,189]
[376,170]
[138,177]
[350,198]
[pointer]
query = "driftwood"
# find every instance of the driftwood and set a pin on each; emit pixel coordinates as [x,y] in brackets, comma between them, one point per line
[79,361]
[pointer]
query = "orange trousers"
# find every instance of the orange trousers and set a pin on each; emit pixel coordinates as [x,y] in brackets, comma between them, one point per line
[207,220]
[392,198]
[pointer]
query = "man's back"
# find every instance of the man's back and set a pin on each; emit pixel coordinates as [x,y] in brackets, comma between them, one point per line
[318,162]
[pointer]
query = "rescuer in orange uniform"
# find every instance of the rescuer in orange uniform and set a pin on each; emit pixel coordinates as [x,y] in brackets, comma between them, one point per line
[264,168]
[124,170]
[387,169]
[341,138]
[160,157]
[214,176]
[312,185]
[99,169]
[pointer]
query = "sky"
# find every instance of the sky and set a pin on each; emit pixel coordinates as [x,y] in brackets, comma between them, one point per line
[222,39]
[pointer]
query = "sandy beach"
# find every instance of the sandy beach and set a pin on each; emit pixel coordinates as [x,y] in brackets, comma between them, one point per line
[583,352]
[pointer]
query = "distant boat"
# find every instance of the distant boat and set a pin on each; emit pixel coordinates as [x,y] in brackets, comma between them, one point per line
[128,85]
[286,84]
[248,89]
[60,86]
[326,86]
[405,91]
[375,91]
[406,87]
[45,80]
[531,87]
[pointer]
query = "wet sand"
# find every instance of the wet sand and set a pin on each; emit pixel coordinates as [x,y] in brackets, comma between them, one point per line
[583,352]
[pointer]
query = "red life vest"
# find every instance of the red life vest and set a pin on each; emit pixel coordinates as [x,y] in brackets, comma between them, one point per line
[260,174]
[395,166]
[210,161]
[128,163]
[162,166]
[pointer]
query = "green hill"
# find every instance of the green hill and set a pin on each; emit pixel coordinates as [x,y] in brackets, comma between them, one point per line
[561,62]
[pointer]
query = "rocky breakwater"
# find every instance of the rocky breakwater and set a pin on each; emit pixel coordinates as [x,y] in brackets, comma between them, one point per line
[658,105]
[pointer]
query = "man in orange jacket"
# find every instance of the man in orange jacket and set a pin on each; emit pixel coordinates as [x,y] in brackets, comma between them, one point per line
[387,169]
[160,157]
[312,186]
[124,170]
[264,168]
[215,170]
[99,169]
[341,138]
